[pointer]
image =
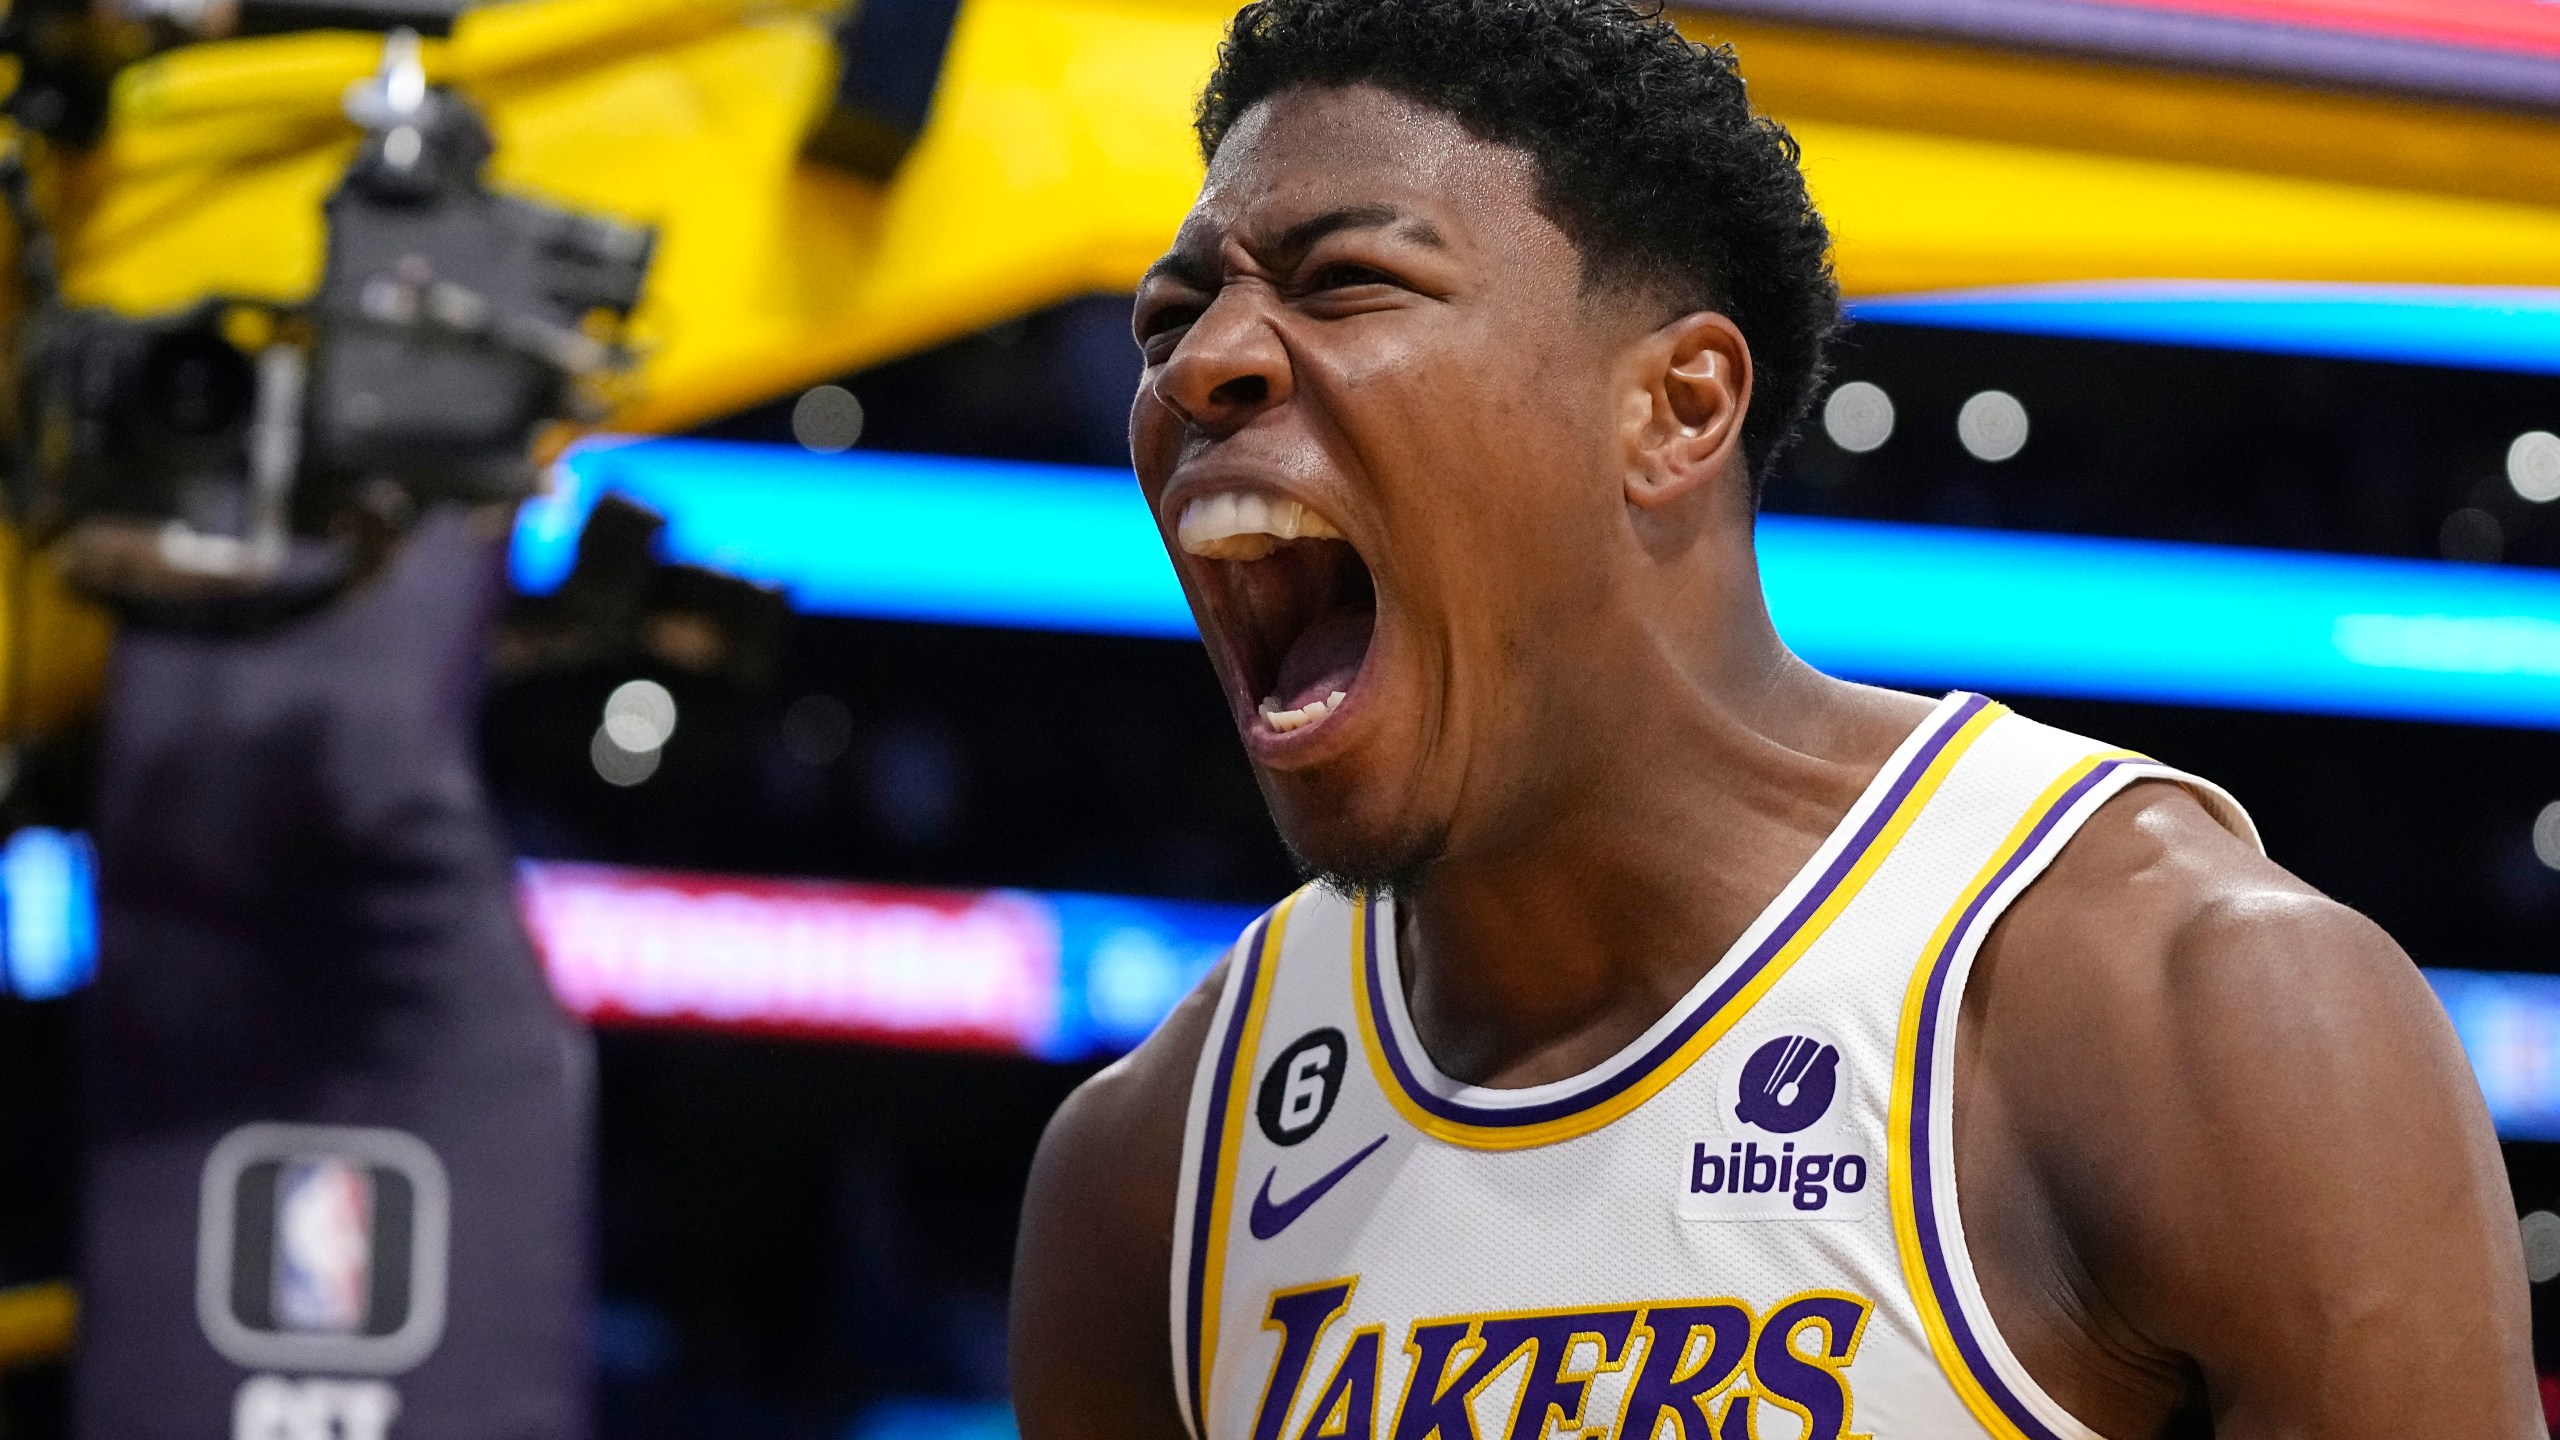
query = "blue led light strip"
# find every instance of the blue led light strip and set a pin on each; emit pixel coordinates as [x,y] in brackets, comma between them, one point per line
[1108,968]
[2461,327]
[974,542]
[885,537]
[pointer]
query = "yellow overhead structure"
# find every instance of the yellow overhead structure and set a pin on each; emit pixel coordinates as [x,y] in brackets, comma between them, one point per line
[1057,162]
[1058,159]
[1943,167]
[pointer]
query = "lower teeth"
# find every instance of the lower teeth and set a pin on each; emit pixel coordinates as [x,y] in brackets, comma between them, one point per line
[1305,715]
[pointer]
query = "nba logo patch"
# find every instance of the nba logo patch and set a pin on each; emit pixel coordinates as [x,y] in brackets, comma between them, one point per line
[324,1244]
[322,1248]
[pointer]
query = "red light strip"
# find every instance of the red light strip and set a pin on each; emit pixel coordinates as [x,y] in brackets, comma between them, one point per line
[2522,26]
[923,968]
[2503,53]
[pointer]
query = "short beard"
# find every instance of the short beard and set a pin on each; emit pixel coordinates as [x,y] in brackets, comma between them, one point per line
[1391,874]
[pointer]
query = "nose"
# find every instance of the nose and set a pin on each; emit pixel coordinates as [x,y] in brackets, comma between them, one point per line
[1229,367]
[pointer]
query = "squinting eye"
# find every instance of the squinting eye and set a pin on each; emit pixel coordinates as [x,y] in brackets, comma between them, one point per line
[1164,327]
[1344,276]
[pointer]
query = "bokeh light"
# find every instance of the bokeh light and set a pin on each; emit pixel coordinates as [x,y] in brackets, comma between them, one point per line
[2533,466]
[640,716]
[2472,534]
[817,729]
[1858,417]
[826,418]
[618,766]
[1993,426]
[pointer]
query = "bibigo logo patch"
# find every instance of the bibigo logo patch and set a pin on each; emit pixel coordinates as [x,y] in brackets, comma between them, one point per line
[1788,1145]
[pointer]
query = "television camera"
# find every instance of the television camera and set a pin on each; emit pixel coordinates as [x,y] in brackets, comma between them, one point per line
[241,459]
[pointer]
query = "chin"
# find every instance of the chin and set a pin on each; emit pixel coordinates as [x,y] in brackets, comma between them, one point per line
[1349,852]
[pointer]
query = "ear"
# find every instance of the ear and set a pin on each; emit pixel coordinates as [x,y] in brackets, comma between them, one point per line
[1691,386]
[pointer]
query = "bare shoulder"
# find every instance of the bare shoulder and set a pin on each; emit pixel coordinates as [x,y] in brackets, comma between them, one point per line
[2165,987]
[2156,898]
[1090,1319]
[2240,1124]
[2158,933]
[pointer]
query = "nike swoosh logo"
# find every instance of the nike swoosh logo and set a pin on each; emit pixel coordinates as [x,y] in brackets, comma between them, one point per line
[1268,1219]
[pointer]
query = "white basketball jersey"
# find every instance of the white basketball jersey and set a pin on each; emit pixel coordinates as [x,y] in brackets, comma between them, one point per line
[1743,1226]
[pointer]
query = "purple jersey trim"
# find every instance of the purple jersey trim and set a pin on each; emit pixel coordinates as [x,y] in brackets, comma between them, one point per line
[1205,1200]
[2297,54]
[1924,1200]
[1700,1014]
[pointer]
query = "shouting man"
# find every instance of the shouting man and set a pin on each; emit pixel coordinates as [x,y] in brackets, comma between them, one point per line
[1678,1041]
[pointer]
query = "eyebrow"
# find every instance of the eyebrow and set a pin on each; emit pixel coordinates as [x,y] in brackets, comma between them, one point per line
[1187,267]
[1196,270]
[1297,238]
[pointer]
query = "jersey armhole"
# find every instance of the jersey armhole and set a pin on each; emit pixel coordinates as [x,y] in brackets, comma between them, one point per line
[1928,1223]
[2217,802]
[1204,1079]
[1207,1142]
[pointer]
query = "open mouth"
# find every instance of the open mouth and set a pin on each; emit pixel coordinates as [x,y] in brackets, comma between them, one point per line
[1296,603]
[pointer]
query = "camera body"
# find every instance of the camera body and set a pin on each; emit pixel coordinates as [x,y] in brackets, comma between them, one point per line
[451,320]
[239,453]
[136,417]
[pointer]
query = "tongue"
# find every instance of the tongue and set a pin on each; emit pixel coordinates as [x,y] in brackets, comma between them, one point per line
[1326,656]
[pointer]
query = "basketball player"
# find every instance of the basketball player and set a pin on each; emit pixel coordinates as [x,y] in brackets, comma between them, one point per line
[1678,1041]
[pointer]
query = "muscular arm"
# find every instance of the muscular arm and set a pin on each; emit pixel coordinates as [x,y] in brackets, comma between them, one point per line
[1091,1319]
[2226,1161]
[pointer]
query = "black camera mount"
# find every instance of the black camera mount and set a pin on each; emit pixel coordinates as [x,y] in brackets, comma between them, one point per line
[235,457]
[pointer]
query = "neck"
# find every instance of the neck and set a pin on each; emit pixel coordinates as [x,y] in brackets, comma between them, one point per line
[1538,954]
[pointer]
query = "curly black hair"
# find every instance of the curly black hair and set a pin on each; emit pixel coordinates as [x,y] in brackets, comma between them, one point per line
[1647,153]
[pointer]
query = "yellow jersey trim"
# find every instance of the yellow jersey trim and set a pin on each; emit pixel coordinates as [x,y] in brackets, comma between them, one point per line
[1237,1081]
[2003,1415]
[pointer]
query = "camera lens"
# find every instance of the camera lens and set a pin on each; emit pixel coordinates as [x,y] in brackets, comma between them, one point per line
[195,384]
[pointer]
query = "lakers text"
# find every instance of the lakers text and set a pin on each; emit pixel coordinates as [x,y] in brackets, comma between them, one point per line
[1714,1369]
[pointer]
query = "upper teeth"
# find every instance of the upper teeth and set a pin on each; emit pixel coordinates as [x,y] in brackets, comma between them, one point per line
[1243,525]
[1304,715]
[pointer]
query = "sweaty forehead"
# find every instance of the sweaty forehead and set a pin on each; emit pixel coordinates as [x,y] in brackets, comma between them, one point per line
[1305,153]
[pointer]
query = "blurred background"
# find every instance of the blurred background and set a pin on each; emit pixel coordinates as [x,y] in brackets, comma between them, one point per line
[655,468]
